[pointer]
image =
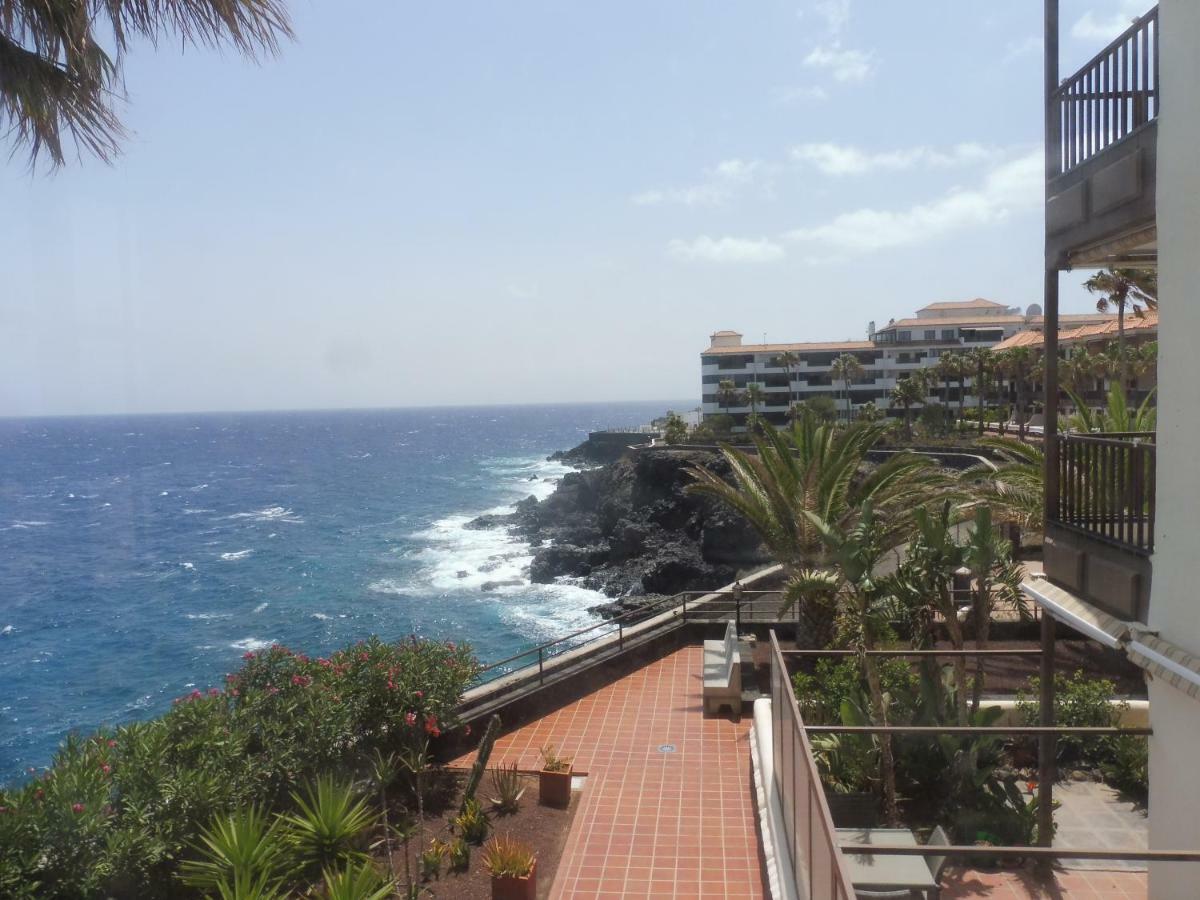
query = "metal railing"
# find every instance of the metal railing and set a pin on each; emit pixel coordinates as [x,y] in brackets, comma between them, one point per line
[1114,94]
[686,606]
[1106,488]
[811,844]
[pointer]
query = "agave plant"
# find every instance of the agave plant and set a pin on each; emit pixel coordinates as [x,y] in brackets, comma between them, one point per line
[357,881]
[249,887]
[237,852]
[506,857]
[509,788]
[472,823]
[330,825]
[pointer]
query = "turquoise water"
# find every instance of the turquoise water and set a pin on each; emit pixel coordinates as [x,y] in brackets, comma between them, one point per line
[141,557]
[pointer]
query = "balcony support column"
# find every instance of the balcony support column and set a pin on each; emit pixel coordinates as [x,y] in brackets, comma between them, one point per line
[1047,743]
[1053,160]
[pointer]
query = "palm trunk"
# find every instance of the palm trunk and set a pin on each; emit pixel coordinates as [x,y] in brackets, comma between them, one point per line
[954,628]
[983,622]
[887,768]
[979,390]
[962,398]
[1021,406]
[1122,363]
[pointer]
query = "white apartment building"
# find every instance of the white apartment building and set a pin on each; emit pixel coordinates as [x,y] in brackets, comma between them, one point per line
[888,355]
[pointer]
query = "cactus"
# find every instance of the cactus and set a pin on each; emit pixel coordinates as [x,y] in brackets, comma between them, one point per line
[481,760]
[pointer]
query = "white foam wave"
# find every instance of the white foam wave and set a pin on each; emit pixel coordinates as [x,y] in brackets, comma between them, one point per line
[321,616]
[251,644]
[269,514]
[205,617]
[30,523]
[235,555]
[188,565]
[7,629]
[198,487]
[261,607]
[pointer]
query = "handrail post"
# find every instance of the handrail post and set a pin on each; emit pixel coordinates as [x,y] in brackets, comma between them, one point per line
[541,679]
[621,635]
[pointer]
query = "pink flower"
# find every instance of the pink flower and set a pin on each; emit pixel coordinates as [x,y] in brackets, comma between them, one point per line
[364,656]
[106,768]
[39,794]
[195,695]
[467,730]
[248,655]
[301,680]
[410,718]
[234,693]
[419,694]
[77,808]
[272,690]
[112,743]
[431,726]
[213,692]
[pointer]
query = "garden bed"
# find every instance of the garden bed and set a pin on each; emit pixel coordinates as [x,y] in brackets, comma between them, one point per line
[543,828]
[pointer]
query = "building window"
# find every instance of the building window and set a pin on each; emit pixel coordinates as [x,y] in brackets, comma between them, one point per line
[931,334]
[948,334]
[906,335]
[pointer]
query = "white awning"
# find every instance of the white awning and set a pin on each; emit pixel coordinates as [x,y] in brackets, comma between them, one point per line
[1164,660]
[1078,613]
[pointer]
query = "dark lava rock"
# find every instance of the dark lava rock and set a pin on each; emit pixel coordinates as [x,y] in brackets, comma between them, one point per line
[630,529]
[489,586]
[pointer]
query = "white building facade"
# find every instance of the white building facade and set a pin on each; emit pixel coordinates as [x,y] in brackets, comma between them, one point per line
[889,354]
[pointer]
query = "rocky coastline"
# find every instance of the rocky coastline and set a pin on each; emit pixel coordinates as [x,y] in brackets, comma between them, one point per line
[627,528]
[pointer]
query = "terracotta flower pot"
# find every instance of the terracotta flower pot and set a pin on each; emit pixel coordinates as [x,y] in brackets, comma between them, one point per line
[554,788]
[510,887]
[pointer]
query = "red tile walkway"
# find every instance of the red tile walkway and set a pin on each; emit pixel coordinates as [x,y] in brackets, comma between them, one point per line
[682,824]
[651,824]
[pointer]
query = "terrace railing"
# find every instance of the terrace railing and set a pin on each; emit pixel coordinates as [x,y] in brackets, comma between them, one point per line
[1112,96]
[612,634]
[1106,488]
[810,835]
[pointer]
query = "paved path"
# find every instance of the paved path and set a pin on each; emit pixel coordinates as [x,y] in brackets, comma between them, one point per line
[674,824]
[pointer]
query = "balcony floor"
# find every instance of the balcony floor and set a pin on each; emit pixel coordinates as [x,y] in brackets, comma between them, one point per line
[651,824]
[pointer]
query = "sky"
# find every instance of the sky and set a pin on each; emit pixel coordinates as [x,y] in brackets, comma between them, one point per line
[479,203]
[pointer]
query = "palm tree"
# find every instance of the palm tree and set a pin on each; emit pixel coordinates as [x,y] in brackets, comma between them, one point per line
[908,391]
[1126,289]
[754,396]
[846,368]
[979,361]
[996,577]
[57,81]
[727,393]
[1017,363]
[864,610]
[944,369]
[818,467]
[788,360]
[1118,416]
[1016,488]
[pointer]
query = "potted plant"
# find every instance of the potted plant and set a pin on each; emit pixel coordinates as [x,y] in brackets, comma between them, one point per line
[554,780]
[513,868]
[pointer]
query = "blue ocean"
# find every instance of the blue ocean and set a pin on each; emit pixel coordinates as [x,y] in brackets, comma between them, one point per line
[140,557]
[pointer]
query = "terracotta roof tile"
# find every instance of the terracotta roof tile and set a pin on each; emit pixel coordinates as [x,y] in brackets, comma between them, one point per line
[795,348]
[977,303]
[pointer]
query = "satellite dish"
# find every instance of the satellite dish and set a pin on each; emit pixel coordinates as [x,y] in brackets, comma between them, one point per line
[1033,310]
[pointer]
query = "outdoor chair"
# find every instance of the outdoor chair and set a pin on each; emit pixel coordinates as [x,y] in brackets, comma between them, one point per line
[938,838]
[886,895]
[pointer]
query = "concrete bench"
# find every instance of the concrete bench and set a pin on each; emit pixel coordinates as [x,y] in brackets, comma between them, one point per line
[723,674]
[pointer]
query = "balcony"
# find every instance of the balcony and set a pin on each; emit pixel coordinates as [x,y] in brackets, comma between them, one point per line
[1104,120]
[1100,530]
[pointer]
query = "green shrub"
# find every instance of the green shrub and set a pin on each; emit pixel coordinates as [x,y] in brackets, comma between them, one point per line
[1079,701]
[116,812]
[361,881]
[472,823]
[1128,767]
[458,857]
[821,694]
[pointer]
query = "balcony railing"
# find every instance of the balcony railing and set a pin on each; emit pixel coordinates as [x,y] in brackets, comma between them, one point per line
[1106,488]
[1110,97]
[818,867]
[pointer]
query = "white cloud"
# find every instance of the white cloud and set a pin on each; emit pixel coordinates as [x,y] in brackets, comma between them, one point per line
[841,159]
[1011,187]
[801,94]
[1103,27]
[726,250]
[836,14]
[1027,46]
[723,181]
[843,64]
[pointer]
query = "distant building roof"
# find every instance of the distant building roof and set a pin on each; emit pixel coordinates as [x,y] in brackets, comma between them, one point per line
[977,303]
[727,333]
[795,348]
[1087,329]
[941,321]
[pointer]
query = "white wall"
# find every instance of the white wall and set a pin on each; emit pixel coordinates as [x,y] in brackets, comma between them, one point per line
[1174,605]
